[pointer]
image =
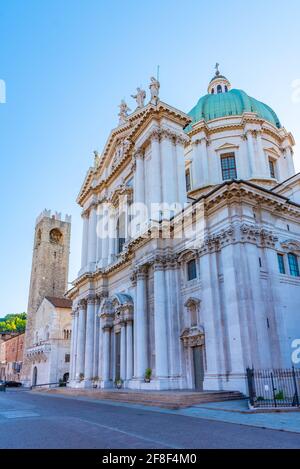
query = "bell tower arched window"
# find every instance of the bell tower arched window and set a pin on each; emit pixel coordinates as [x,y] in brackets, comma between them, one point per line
[219,89]
[55,236]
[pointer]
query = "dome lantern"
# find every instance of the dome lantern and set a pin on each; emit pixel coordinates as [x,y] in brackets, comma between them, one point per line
[223,101]
[218,84]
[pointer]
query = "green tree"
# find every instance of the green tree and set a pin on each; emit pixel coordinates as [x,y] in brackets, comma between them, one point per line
[13,323]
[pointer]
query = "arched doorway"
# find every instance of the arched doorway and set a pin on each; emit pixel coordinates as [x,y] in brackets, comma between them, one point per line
[66,377]
[34,376]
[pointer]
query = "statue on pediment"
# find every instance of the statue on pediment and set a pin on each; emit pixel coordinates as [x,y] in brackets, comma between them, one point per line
[154,90]
[96,159]
[140,97]
[123,114]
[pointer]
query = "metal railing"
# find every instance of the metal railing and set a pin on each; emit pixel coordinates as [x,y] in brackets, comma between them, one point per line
[273,388]
[54,385]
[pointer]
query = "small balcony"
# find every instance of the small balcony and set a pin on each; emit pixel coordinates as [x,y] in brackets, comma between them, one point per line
[38,352]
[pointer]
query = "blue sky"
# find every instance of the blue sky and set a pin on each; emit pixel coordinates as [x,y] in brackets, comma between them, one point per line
[68,63]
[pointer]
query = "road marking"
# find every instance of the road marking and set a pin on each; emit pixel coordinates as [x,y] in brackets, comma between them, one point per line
[135,435]
[17,414]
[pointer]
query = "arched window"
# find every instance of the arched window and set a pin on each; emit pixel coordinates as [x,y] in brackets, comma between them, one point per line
[213,91]
[226,89]
[55,236]
[121,228]
[219,89]
[293,265]
[38,237]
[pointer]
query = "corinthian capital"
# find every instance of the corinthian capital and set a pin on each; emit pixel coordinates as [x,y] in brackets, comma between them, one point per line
[141,272]
[91,300]
[138,154]
[155,135]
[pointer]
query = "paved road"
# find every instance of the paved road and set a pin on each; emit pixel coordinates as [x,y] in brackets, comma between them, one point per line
[31,420]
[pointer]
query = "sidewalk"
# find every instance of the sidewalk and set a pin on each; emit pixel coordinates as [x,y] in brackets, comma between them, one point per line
[238,412]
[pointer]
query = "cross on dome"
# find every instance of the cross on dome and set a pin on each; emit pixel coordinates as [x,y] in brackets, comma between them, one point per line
[219,83]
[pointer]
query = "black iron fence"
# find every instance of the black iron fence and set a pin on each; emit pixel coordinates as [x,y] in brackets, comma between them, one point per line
[274,388]
[60,384]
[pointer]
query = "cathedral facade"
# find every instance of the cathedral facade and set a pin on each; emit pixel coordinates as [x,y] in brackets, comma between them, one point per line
[190,249]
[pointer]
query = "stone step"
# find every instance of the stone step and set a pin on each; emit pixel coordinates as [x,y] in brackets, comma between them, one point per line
[165,399]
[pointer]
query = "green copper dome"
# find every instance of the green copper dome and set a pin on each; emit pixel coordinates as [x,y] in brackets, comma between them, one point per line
[233,103]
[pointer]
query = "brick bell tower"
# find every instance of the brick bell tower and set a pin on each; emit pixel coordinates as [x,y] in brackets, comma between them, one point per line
[49,272]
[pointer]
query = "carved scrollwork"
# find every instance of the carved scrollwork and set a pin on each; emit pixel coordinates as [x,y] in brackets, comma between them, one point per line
[193,336]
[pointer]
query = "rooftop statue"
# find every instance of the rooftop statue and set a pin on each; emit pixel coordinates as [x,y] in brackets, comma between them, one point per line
[154,90]
[123,114]
[96,159]
[140,97]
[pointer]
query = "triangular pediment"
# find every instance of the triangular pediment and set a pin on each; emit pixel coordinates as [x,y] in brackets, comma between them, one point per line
[227,147]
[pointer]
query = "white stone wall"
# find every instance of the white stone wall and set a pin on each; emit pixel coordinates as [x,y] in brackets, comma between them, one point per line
[50,324]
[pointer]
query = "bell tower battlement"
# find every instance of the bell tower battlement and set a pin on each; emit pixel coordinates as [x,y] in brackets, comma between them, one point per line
[50,265]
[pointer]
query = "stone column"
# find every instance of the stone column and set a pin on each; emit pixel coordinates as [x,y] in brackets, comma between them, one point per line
[181,184]
[202,155]
[139,178]
[81,340]
[133,280]
[153,178]
[140,317]
[89,340]
[73,352]
[160,321]
[85,236]
[106,355]
[99,234]
[96,338]
[290,161]
[173,329]
[100,348]
[123,352]
[129,350]
[112,235]
[262,156]
[280,353]
[196,169]
[232,310]
[104,234]
[92,248]
[169,173]
[256,347]
[210,285]
[251,153]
